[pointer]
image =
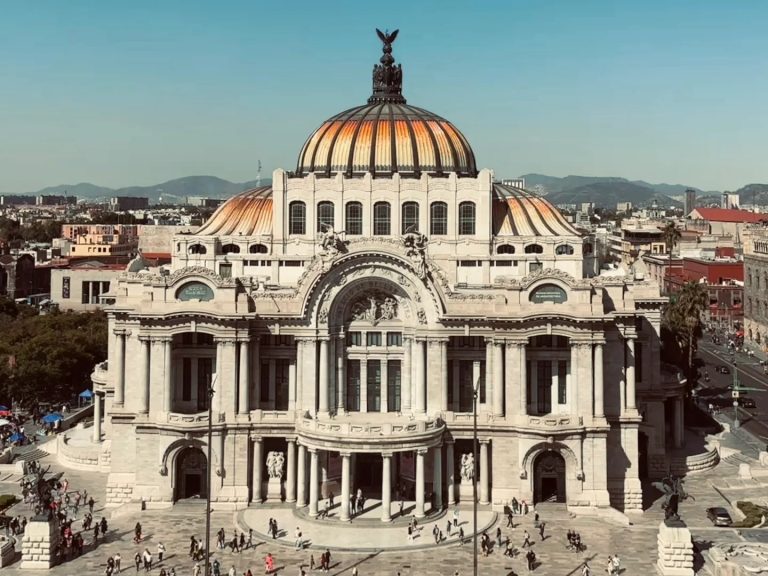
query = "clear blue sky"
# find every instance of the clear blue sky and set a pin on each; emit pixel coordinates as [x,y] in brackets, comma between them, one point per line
[138,92]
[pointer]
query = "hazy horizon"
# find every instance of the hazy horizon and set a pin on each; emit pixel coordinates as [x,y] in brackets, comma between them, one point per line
[137,94]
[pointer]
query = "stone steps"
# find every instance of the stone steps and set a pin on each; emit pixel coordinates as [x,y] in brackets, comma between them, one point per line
[29,453]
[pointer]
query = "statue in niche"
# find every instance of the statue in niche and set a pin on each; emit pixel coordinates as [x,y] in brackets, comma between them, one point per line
[275,461]
[467,467]
[330,242]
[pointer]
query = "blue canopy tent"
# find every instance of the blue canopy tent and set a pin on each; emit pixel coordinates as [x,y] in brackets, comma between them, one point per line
[3,408]
[85,395]
[17,437]
[52,417]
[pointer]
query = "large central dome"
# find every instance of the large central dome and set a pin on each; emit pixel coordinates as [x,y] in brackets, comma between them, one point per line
[387,136]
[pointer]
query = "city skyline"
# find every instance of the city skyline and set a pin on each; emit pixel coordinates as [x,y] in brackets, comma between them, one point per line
[139,94]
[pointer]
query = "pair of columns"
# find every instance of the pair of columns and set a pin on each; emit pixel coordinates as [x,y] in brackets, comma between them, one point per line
[257,466]
[96,417]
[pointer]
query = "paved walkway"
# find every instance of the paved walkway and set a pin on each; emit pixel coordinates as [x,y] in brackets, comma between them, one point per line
[636,544]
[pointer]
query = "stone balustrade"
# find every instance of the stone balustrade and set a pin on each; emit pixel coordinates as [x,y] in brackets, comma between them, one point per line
[682,465]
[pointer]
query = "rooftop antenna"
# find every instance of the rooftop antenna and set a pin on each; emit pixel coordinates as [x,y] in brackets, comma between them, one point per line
[258,174]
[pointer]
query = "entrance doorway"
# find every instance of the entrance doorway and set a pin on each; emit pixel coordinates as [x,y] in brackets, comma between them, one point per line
[368,469]
[191,474]
[549,478]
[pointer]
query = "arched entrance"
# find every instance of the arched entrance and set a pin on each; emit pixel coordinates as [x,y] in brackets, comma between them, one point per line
[191,474]
[549,477]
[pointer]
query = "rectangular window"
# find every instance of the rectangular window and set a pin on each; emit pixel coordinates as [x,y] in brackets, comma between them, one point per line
[65,287]
[186,379]
[225,270]
[264,383]
[394,339]
[466,389]
[469,263]
[373,383]
[354,218]
[381,219]
[353,386]
[354,339]
[373,339]
[638,362]
[562,381]
[85,296]
[393,385]
[534,266]
[544,386]
[281,384]
[438,225]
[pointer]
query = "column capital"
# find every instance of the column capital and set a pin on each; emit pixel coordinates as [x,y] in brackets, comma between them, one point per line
[484,441]
[225,340]
[598,342]
[345,453]
[518,341]
[422,451]
[244,339]
[257,439]
[386,454]
[292,439]
[122,332]
[312,450]
[499,343]
[146,338]
[489,340]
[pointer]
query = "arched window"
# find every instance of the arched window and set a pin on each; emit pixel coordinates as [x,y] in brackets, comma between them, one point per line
[197,249]
[353,219]
[438,219]
[467,218]
[564,250]
[410,218]
[381,219]
[534,249]
[505,249]
[230,249]
[258,249]
[297,219]
[324,216]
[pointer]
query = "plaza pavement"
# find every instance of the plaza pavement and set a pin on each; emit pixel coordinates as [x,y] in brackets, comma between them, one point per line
[636,544]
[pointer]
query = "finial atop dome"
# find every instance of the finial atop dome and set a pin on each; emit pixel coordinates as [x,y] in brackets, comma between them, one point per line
[387,78]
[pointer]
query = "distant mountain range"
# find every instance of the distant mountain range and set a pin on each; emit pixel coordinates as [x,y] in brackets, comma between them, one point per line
[170,191]
[605,191]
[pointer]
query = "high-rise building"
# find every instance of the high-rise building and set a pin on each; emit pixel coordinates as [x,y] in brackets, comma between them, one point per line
[690,200]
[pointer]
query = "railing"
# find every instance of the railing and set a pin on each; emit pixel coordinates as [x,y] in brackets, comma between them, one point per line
[339,428]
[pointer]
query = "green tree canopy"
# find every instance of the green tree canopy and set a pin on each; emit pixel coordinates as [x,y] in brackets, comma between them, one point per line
[49,357]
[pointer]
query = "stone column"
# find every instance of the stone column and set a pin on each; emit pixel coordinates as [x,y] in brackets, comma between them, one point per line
[96,417]
[167,376]
[257,465]
[324,384]
[291,384]
[341,380]
[599,409]
[484,472]
[498,378]
[313,482]
[573,392]
[679,424]
[290,477]
[386,486]
[144,342]
[523,379]
[301,481]
[244,379]
[120,368]
[444,375]
[256,370]
[437,476]
[345,487]
[419,510]
[488,377]
[630,397]
[419,406]
[300,375]
[449,474]
[405,378]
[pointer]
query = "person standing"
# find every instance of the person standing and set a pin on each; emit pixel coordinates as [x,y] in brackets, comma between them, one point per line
[456,517]
[526,539]
[160,551]
[137,561]
[117,560]
[586,570]
[147,557]
[90,504]
[541,530]
[298,538]
[461,535]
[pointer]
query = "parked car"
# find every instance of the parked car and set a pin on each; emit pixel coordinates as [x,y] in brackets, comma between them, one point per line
[719,516]
[722,369]
[747,403]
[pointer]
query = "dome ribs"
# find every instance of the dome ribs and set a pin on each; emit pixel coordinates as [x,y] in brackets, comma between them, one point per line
[414,143]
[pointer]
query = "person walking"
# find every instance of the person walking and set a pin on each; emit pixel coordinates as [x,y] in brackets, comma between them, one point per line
[498,537]
[617,564]
[541,531]
[299,543]
[160,552]
[586,570]
[137,561]
[269,563]
[461,535]
[526,539]
[195,570]
[216,568]
[455,517]
[117,560]
[410,533]
[91,502]
[147,557]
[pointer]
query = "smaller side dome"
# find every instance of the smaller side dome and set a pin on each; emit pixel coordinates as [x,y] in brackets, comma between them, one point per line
[247,214]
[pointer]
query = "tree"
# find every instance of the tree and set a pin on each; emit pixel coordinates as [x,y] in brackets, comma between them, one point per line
[671,236]
[683,318]
[49,357]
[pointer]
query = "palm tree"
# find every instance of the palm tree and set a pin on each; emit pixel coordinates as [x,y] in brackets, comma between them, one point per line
[686,312]
[671,236]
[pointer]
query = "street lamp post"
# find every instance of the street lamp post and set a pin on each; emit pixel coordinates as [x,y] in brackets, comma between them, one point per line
[474,476]
[207,570]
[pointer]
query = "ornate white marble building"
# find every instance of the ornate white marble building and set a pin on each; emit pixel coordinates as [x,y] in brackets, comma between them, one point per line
[343,316]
